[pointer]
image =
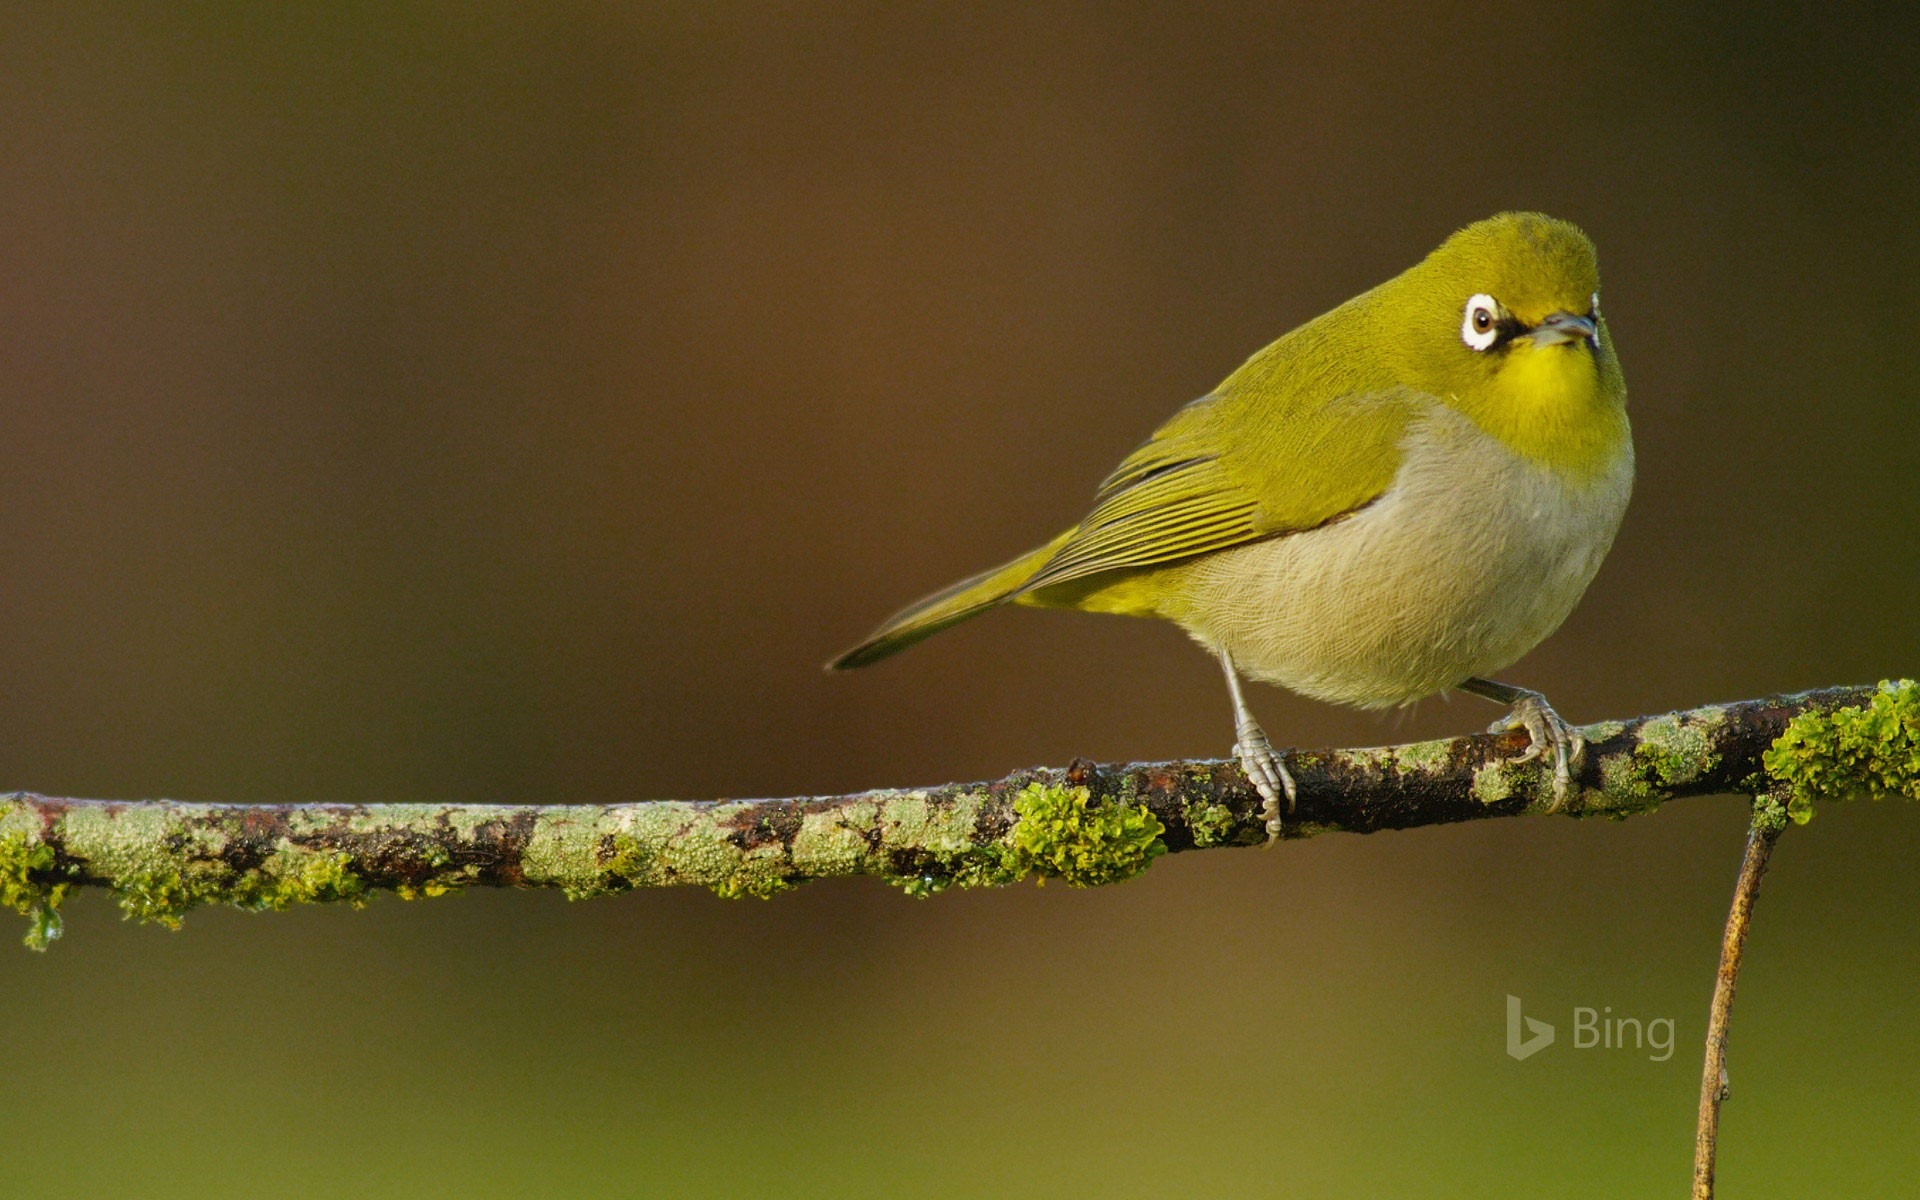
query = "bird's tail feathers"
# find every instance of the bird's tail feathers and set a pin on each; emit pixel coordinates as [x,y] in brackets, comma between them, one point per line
[950,606]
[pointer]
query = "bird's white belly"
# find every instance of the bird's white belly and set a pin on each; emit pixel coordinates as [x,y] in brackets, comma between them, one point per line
[1470,559]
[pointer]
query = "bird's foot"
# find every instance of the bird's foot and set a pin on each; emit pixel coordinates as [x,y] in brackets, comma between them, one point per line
[1266,772]
[1545,729]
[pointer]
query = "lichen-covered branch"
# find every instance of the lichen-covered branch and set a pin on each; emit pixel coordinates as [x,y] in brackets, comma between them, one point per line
[1085,824]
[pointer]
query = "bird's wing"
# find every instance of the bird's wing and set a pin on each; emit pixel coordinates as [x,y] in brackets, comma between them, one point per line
[1217,476]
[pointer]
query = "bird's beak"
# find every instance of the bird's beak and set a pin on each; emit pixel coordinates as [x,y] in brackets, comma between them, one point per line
[1562,327]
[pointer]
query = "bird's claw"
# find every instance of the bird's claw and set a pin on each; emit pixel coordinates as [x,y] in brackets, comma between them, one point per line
[1267,774]
[1545,729]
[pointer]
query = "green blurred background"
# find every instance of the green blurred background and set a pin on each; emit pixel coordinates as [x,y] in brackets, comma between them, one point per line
[413,402]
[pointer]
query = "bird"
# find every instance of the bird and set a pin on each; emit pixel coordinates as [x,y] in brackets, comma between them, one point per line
[1397,499]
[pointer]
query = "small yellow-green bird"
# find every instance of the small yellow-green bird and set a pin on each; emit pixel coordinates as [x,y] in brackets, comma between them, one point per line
[1399,497]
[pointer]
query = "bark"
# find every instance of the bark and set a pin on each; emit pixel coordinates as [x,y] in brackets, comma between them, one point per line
[164,857]
[1768,822]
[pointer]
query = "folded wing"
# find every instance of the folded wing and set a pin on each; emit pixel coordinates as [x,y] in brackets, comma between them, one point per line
[1213,478]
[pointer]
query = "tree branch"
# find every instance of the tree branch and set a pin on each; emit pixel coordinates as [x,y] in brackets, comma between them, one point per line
[1769,819]
[1086,823]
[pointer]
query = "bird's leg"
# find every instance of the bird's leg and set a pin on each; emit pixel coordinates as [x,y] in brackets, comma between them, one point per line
[1263,767]
[1532,713]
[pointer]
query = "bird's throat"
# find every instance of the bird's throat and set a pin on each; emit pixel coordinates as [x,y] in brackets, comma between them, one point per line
[1549,405]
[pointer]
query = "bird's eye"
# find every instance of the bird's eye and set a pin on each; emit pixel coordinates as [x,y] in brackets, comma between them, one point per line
[1480,327]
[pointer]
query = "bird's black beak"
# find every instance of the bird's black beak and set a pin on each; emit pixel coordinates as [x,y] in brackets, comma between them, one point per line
[1563,327]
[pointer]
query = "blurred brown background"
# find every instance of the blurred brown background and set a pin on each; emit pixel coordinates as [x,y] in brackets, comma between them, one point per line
[414,402]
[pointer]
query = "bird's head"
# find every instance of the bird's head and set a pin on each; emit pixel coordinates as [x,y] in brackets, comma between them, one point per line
[1503,322]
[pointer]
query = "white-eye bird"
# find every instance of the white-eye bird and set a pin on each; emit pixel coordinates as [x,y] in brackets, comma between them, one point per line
[1399,497]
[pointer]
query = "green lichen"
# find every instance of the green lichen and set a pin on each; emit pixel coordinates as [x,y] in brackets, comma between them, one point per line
[758,885]
[919,886]
[1603,731]
[945,829]
[625,861]
[1769,815]
[989,865]
[291,875]
[440,882]
[427,889]
[1063,834]
[1211,823]
[920,842]
[299,876]
[1492,783]
[587,854]
[43,923]
[676,844]
[1503,779]
[1668,752]
[929,845]
[164,896]
[1850,752]
[705,853]
[1626,786]
[38,902]
[1423,757]
[1677,749]
[835,842]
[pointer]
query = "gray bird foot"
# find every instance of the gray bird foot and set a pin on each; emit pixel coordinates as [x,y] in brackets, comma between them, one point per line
[1267,774]
[1544,727]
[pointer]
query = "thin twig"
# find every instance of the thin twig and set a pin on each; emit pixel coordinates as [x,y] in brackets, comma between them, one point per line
[1768,821]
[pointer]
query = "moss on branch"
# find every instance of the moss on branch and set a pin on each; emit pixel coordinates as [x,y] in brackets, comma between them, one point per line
[1086,824]
[1870,750]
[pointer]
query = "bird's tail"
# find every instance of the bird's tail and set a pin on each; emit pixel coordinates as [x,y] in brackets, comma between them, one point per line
[970,597]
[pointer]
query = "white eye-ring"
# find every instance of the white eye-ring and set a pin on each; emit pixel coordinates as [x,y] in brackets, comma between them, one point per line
[1593,306]
[1480,324]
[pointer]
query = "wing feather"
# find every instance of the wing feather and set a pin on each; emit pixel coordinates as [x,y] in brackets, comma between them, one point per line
[1190,490]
